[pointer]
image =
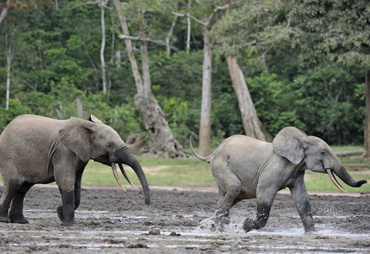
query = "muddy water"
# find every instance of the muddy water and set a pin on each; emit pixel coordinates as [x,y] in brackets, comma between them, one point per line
[111,221]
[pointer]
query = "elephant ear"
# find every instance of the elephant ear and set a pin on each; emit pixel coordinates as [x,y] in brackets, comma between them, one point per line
[76,136]
[288,144]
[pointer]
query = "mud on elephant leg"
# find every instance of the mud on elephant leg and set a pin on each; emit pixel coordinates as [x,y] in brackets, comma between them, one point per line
[10,190]
[16,208]
[217,222]
[77,200]
[5,201]
[302,203]
[264,203]
[263,213]
[221,217]
[66,212]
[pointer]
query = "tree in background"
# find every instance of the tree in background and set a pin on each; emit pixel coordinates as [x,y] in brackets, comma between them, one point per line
[251,29]
[335,31]
[294,58]
[210,12]
[163,142]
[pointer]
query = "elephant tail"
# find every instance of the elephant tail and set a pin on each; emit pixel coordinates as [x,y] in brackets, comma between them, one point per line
[208,158]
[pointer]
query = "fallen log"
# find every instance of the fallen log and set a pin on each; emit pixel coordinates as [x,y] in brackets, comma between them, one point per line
[349,153]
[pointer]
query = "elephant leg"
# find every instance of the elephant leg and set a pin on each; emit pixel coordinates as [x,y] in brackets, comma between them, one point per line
[10,190]
[77,199]
[302,203]
[221,216]
[66,211]
[264,203]
[16,208]
[78,190]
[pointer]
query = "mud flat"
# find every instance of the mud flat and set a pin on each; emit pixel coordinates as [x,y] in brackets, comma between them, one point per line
[111,221]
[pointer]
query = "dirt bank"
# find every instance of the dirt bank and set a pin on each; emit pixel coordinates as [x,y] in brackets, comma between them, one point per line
[111,221]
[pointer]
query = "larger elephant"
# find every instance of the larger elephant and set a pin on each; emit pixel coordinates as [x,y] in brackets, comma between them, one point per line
[36,149]
[244,167]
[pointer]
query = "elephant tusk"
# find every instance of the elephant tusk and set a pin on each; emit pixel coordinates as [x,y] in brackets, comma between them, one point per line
[125,175]
[116,176]
[334,180]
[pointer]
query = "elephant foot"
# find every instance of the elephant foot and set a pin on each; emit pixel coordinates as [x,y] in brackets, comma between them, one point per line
[19,220]
[249,225]
[69,223]
[65,221]
[60,212]
[5,219]
[215,223]
[310,230]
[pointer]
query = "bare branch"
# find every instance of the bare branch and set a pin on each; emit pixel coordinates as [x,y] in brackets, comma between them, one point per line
[190,16]
[101,3]
[168,37]
[136,38]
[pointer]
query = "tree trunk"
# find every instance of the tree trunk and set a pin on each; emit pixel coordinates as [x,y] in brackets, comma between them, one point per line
[80,112]
[205,118]
[9,58]
[163,143]
[136,145]
[130,52]
[367,124]
[4,11]
[188,34]
[102,47]
[248,112]
[168,38]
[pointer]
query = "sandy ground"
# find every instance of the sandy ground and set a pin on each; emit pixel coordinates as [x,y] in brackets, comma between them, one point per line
[111,221]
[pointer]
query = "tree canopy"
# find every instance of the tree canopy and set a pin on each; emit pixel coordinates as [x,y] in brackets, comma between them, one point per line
[304,63]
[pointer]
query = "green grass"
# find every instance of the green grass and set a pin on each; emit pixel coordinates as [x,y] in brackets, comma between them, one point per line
[322,182]
[193,173]
[158,171]
[346,148]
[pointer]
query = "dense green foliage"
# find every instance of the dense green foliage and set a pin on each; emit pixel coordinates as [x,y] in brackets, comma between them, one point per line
[311,74]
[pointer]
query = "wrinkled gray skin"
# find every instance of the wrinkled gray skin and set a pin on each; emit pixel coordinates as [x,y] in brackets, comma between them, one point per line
[244,167]
[35,149]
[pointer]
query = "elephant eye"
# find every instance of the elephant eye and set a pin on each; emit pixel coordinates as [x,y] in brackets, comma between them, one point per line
[110,146]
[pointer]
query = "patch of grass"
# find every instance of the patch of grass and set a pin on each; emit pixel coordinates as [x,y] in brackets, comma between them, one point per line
[193,172]
[158,171]
[346,148]
[321,182]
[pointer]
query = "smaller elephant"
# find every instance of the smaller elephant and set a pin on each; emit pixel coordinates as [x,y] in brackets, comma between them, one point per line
[244,167]
[36,149]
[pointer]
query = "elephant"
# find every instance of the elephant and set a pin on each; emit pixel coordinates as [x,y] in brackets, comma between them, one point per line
[244,167]
[40,150]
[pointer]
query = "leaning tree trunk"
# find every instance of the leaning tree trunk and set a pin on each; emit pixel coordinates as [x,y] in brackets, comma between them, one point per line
[163,143]
[248,112]
[367,124]
[205,118]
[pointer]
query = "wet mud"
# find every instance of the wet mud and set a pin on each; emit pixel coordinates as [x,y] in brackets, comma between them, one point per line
[111,221]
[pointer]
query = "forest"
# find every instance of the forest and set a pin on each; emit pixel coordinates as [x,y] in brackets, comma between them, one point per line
[304,63]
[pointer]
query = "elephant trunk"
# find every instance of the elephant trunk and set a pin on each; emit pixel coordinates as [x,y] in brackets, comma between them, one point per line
[124,156]
[343,174]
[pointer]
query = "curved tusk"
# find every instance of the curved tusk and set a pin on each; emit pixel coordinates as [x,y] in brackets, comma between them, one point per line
[125,175]
[334,180]
[116,176]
